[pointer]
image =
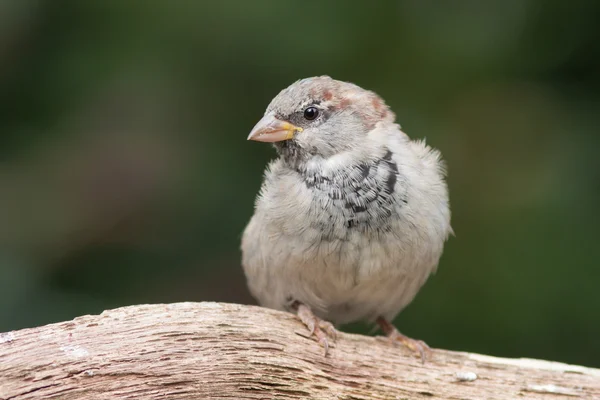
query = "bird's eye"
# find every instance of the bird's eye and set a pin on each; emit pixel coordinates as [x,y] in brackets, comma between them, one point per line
[311,113]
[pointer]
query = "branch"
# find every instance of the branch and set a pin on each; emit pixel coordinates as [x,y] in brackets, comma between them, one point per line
[214,350]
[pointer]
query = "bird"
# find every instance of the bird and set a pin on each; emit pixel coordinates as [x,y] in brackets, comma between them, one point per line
[352,215]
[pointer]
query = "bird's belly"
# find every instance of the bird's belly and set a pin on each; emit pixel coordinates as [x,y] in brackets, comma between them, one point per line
[359,277]
[364,277]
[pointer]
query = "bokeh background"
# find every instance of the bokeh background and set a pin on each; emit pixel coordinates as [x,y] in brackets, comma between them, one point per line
[126,177]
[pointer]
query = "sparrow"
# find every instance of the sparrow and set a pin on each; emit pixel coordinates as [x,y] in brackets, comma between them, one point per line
[352,215]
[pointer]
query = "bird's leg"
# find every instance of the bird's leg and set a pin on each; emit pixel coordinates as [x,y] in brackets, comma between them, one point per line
[418,346]
[317,327]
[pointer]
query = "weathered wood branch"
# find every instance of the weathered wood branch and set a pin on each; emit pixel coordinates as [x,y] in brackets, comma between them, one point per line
[215,351]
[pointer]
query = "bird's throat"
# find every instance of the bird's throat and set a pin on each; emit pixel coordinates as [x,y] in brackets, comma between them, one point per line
[292,153]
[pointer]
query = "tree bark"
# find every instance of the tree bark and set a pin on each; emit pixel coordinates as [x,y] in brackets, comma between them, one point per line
[217,351]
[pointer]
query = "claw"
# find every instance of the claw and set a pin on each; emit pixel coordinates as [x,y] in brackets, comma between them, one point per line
[322,339]
[417,346]
[329,329]
[317,327]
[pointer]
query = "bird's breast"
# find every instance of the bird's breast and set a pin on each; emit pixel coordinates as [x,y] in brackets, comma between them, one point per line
[363,198]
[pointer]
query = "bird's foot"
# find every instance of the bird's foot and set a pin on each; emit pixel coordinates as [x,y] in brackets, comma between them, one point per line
[417,346]
[317,327]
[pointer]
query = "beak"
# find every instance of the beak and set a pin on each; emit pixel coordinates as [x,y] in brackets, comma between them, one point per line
[271,129]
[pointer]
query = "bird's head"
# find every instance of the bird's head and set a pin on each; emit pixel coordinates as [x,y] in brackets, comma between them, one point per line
[322,117]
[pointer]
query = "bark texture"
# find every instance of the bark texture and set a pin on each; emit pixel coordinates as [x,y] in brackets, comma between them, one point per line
[228,351]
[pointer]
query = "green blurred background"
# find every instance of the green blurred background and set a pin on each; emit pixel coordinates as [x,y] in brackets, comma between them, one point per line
[126,177]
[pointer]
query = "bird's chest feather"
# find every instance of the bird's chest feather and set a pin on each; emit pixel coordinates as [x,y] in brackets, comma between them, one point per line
[346,222]
[361,199]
